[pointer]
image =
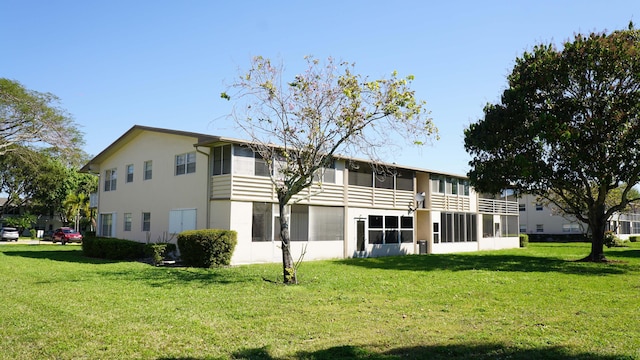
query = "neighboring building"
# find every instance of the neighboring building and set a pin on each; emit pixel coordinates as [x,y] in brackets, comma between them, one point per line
[545,222]
[43,222]
[155,182]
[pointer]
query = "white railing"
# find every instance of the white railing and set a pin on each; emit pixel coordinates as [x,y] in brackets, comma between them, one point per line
[491,206]
[258,188]
[449,202]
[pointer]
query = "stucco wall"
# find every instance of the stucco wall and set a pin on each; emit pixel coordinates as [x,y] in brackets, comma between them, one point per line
[164,192]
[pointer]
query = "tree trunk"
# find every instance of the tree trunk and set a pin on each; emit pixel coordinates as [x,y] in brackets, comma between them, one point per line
[288,269]
[598,227]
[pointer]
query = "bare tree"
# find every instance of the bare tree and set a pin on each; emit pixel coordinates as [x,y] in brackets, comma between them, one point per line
[299,126]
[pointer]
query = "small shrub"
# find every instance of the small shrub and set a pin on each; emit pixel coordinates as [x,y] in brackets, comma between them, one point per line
[524,240]
[33,233]
[611,240]
[112,249]
[158,251]
[207,248]
[634,238]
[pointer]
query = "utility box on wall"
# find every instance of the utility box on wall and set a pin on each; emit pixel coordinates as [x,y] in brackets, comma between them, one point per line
[422,247]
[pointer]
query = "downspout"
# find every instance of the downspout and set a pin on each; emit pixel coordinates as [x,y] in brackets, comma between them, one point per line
[208,202]
[346,222]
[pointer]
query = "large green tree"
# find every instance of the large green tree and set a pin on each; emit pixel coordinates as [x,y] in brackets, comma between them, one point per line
[36,181]
[26,176]
[567,129]
[31,118]
[298,125]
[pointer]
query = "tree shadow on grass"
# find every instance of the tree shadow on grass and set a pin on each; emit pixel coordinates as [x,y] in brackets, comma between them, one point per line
[435,352]
[489,262]
[73,256]
[152,276]
[168,277]
[627,253]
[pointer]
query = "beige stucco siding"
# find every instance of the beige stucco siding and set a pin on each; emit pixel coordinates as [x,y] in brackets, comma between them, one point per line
[164,192]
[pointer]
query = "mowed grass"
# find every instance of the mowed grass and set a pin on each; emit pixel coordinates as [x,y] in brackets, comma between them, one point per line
[533,303]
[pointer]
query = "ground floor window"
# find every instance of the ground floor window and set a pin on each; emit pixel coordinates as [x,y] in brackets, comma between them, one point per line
[106,225]
[261,222]
[509,226]
[458,227]
[390,229]
[625,227]
[298,223]
[503,225]
[571,228]
[327,223]
[127,221]
[146,221]
[313,223]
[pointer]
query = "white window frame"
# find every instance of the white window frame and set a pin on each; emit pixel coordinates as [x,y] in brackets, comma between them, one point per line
[110,179]
[127,220]
[146,223]
[147,170]
[129,175]
[185,163]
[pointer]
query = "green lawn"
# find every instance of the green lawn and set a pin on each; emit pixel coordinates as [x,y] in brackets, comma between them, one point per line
[533,303]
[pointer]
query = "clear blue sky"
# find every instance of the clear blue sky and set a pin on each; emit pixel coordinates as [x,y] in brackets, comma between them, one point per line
[163,63]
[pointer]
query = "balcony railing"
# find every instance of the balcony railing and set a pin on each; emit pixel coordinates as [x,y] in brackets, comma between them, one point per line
[491,206]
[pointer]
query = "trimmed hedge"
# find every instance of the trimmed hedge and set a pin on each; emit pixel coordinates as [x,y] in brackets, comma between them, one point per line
[634,238]
[207,248]
[562,238]
[112,249]
[524,240]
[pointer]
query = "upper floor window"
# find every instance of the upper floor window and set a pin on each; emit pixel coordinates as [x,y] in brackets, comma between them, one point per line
[384,180]
[360,174]
[186,163]
[522,207]
[110,177]
[538,207]
[221,160]
[452,186]
[261,168]
[404,180]
[437,184]
[449,185]
[463,187]
[326,174]
[148,170]
[130,173]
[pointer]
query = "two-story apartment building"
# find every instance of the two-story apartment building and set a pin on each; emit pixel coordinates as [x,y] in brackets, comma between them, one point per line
[547,223]
[155,182]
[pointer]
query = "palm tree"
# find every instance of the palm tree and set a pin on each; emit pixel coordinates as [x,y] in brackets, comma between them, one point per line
[77,206]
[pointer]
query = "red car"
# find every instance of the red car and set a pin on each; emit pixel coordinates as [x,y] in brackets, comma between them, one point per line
[65,235]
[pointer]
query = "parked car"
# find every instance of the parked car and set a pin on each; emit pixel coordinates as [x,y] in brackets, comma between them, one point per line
[9,233]
[47,235]
[65,235]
